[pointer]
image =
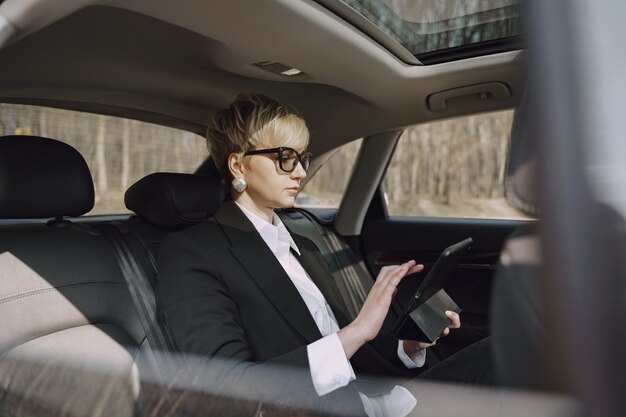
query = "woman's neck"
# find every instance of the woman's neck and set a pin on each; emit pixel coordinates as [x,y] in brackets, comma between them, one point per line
[266,213]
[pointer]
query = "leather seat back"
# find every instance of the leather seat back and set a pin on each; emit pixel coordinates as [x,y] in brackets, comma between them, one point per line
[63,300]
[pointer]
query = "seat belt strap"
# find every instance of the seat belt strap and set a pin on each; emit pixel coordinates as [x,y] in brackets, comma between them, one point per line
[138,286]
[349,273]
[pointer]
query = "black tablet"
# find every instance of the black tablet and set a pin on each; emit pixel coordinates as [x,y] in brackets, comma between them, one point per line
[415,314]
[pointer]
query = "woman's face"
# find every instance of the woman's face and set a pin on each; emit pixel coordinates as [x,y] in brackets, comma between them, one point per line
[270,187]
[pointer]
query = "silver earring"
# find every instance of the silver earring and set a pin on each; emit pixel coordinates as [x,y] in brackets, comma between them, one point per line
[239,184]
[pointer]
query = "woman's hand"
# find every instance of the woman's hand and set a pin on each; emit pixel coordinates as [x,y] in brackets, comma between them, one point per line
[367,324]
[412,347]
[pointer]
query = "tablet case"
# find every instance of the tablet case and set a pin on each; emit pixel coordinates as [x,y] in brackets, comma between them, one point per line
[427,321]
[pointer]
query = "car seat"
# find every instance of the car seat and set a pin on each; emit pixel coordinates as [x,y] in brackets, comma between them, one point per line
[70,337]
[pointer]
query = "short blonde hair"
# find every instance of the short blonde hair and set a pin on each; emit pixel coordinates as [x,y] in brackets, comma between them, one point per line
[251,120]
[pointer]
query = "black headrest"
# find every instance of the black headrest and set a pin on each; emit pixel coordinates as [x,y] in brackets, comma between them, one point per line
[521,182]
[175,201]
[42,177]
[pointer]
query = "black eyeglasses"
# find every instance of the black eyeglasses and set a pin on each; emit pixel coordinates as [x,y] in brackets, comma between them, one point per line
[288,158]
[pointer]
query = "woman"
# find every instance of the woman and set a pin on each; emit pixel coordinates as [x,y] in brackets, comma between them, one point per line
[242,287]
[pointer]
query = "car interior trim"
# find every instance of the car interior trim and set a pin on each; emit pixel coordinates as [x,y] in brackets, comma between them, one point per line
[374,156]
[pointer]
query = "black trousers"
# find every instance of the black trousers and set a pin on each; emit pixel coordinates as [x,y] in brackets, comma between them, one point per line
[472,365]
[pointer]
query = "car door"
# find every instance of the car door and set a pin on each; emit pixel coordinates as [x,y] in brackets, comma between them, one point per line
[395,239]
[446,196]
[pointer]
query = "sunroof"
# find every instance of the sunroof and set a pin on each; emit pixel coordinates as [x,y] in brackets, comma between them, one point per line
[434,29]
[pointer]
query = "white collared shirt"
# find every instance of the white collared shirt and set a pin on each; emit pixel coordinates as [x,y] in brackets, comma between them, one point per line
[329,367]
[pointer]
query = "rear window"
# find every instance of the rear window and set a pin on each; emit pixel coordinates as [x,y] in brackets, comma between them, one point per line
[327,186]
[118,151]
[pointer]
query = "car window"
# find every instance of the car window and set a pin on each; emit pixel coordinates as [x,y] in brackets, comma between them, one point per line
[328,184]
[118,151]
[428,26]
[452,168]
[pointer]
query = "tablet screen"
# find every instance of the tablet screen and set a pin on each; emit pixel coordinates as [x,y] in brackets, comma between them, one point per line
[438,274]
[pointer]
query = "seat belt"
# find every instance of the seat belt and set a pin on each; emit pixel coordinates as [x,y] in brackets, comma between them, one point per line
[138,286]
[144,300]
[349,273]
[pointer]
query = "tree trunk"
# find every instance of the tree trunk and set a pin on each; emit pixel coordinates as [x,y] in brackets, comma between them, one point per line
[125,174]
[101,173]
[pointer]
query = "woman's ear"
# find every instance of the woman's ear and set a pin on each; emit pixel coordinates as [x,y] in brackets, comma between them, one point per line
[235,165]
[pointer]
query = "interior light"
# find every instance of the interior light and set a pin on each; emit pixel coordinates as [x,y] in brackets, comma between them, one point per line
[291,71]
[278,68]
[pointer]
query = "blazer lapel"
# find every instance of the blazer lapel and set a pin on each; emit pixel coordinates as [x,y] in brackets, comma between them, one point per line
[261,264]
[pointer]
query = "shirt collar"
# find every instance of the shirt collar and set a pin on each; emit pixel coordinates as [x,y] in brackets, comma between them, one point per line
[272,234]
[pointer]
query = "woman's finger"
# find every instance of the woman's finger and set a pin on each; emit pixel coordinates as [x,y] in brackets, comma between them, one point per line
[415,269]
[385,287]
[455,320]
[396,276]
[388,272]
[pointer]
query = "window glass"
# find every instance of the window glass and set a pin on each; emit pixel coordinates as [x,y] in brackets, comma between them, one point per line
[328,184]
[435,25]
[452,168]
[118,151]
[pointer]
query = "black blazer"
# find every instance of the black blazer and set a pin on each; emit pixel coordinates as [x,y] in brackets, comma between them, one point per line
[221,292]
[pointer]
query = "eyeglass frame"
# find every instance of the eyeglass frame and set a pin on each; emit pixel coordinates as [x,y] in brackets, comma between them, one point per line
[279,151]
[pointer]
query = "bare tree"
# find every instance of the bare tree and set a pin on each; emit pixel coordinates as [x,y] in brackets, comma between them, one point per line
[124,175]
[101,166]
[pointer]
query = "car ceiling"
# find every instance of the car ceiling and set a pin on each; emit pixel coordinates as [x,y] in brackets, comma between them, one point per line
[173,62]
